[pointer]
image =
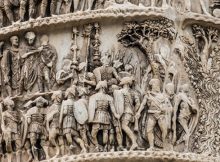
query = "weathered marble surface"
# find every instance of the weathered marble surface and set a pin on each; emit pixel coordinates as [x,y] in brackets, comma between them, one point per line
[107,80]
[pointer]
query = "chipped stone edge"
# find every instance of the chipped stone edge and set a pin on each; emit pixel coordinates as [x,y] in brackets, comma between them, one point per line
[96,15]
[138,155]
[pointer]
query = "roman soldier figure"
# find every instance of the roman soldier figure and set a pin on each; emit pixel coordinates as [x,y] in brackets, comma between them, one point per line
[159,112]
[68,121]
[35,127]
[101,107]
[11,128]
[11,65]
[53,127]
[127,103]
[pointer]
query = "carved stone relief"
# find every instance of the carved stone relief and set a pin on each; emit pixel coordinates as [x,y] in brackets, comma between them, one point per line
[108,79]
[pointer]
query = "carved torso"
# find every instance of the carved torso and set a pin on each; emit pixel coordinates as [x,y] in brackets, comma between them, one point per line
[12,121]
[69,121]
[102,115]
[14,57]
[37,124]
[56,116]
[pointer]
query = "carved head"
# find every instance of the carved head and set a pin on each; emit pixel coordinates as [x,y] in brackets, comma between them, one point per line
[44,40]
[57,96]
[81,91]
[70,92]
[169,89]
[101,85]
[14,41]
[40,102]
[105,60]
[184,88]
[67,63]
[184,105]
[8,103]
[30,37]
[155,85]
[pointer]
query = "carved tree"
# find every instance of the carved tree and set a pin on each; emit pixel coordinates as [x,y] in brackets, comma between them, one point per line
[205,37]
[207,91]
[143,35]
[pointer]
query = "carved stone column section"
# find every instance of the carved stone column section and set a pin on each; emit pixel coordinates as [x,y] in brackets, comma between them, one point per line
[95,45]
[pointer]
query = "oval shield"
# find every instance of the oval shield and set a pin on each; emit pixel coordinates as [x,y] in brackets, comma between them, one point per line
[81,112]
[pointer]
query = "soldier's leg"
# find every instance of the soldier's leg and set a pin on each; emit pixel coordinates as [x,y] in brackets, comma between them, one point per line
[22,10]
[58,6]
[8,142]
[45,146]
[95,129]
[21,84]
[68,6]
[164,128]
[43,8]
[27,147]
[8,11]
[164,3]
[61,145]
[47,79]
[130,134]
[203,6]
[90,4]
[32,9]
[112,140]
[76,5]
[184,123]
[40,79]
[150,127]
[53,5]
[153,3]
[33,140]
[18,150]
[1,18]
[83,134]
[188,5]
[105,138]
[119,138]
[81,144]
[8,89]
[69,140]
[83,5]
[52,139]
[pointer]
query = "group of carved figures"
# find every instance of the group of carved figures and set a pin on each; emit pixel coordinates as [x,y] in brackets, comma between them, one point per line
[55,7]
[21,67]
[98,111]
[16,10]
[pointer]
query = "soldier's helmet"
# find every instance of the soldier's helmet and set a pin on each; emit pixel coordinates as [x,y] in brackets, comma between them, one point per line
[155,84]
[70,91]
[169,87]
[82,91]
[30,37]
[44,39]
[127,80]
[41,101]
[8,102]
[57,95]
[101,84]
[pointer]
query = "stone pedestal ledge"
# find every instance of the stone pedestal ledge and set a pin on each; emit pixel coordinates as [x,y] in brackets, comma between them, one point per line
[137,156]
